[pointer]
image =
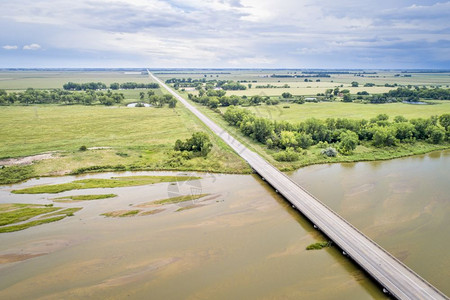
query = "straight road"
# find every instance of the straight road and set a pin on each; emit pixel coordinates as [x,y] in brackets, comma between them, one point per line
[395,277]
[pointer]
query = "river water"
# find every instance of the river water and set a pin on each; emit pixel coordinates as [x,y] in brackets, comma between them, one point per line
[244,243]
[402,204]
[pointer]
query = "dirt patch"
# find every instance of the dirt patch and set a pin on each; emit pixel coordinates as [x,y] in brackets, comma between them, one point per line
[14,257]
[27,160]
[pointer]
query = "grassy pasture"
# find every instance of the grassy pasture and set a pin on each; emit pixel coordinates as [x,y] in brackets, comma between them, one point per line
[364,152]
[299,87]
[20,80]
[143,137]
[35,129]
[324,110]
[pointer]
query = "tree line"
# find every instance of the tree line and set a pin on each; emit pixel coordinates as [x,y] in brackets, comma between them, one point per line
[217,98]
[72,86]
[89,97]
[346,134]
[207,84]
[404,94]
[58,96]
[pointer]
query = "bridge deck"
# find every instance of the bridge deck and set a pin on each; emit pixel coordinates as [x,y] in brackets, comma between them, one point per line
[398,279]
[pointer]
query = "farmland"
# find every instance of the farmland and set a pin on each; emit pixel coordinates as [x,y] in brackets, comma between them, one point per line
[121,138]
[324,110]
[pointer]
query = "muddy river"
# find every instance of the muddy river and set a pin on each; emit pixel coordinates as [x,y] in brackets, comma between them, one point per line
[244,242]
[402,204]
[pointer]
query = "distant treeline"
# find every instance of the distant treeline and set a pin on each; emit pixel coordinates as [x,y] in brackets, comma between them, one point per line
[300,76]
[271,86]
[411,95]
[345,133]
[209,84]
[215,98]
[58,96]
[71,86]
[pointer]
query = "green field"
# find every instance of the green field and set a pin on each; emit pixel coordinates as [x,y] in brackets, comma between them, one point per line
[20,80]
[324,110]
[363,152]
[142,137]
[120,138]
[297,86]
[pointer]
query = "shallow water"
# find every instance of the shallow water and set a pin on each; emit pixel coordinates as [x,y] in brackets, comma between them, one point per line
[245,243]
[402,204]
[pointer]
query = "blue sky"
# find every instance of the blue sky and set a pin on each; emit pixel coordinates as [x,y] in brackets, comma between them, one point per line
[225,33]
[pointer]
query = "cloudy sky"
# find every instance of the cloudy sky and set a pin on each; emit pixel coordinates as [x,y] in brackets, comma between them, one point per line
[225,33]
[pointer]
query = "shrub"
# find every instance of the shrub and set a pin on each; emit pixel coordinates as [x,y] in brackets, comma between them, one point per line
[330,152]
[287,155]
[199,143]
[322,145]
[83,148]
[14,174]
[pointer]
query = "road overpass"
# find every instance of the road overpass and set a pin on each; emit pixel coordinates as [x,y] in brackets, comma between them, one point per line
[396,278]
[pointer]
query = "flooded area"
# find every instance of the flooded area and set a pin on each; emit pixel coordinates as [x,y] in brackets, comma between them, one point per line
[402,204]
[241,242]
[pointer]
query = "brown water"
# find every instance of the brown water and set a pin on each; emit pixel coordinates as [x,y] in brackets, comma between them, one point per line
[246,243]
[402,204]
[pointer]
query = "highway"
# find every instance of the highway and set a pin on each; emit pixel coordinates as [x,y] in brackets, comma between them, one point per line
[396,278]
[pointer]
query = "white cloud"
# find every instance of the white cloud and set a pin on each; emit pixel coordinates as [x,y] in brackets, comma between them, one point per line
[32,47]
[221,33]
[9,47]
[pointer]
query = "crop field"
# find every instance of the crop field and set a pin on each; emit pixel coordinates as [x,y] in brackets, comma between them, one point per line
[324,110]
[139,137]
[20,80]
[298,86]
[143,138]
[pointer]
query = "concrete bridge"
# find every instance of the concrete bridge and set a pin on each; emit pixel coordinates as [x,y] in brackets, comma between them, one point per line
[396,278]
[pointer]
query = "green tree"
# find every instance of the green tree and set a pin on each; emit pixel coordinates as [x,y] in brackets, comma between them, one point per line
[172,103]
[348,142]
[114,86]
[288,139]
[348,98]
[355,84]
[256,100]
[304,140]
[199,143]
[444,120]
[384,136]
[399,119]
[437,135]
[213,103]
[262,129]
[286,95]
[404,131]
